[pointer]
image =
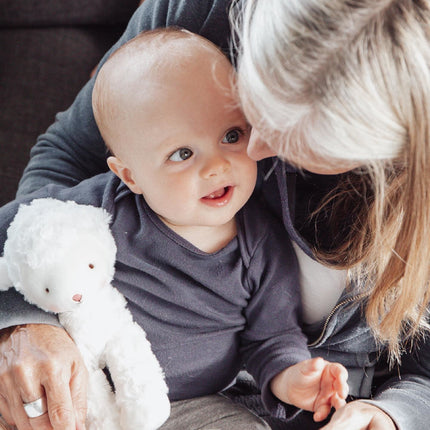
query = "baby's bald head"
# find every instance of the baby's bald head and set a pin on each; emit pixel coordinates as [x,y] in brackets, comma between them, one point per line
[149,60]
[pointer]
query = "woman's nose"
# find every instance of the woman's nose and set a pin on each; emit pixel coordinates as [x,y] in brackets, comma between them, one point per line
[258,148]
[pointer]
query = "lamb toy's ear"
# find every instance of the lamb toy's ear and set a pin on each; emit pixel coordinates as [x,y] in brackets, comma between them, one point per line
[5,282]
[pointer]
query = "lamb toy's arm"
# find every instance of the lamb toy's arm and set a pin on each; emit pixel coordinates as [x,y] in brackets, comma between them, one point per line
[141,391]
[120,345]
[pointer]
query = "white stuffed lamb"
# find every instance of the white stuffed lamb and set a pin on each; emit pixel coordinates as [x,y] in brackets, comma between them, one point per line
[60,256]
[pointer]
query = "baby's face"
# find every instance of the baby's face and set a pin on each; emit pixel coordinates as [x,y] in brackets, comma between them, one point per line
[186,145]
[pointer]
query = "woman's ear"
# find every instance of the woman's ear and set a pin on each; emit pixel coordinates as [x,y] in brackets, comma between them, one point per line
[124,173]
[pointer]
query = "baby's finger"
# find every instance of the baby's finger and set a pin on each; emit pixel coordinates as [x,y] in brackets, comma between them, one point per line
[338,371]
[322,412]
[326,386]
[340,378]
[337,402]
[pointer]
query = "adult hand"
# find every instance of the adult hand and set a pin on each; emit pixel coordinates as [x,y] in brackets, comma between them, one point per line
[38,360]
[360,416]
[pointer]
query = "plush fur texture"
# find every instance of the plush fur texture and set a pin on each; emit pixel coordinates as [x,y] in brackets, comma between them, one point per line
[60,256]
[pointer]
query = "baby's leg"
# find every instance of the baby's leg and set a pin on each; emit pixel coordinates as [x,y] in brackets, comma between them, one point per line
[214,412]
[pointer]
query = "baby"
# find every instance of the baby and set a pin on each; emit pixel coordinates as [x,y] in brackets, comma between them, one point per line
[166,107]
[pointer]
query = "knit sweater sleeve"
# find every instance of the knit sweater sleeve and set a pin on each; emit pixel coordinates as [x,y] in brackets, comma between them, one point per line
[273,339]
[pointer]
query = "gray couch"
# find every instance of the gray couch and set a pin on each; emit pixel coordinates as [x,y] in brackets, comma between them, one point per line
[47,51]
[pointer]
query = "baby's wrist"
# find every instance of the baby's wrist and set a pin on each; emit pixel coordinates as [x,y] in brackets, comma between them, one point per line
[279,385]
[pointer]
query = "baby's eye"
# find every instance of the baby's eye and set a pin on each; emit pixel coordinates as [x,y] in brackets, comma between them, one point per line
[232,136]
[181,154]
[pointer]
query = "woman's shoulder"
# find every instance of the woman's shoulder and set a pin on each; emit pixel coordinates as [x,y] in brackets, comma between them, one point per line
[207,18]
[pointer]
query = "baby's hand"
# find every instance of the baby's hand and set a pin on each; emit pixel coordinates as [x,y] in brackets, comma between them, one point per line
[314,385]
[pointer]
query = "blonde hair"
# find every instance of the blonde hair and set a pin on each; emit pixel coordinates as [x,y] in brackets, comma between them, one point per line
[350,80]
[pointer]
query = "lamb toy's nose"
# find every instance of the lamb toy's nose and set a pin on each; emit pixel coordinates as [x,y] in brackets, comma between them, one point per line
[77,298]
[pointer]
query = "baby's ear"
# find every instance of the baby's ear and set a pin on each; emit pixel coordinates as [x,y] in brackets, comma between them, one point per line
[5,282]
[124,173]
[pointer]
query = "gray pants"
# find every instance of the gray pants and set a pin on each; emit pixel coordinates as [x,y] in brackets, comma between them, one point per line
[214,412]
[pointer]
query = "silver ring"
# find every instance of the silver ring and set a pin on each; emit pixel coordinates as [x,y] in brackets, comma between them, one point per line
[36,409]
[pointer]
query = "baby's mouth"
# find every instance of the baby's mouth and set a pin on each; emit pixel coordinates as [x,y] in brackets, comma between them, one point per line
[219,198]
[217,194]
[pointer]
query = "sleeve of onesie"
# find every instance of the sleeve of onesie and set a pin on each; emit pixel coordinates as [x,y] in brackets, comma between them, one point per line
[273,339]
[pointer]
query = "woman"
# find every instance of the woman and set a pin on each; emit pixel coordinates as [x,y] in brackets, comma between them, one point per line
[334,87]
[337,88]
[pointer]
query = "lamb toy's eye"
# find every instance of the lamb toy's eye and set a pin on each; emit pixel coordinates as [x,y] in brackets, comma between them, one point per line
[47,290]
[91,266]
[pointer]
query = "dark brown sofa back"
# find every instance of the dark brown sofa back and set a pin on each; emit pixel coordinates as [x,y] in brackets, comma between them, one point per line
[48,49]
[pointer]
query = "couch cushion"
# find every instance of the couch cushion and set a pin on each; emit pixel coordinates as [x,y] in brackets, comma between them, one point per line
[41,71]
[22,13]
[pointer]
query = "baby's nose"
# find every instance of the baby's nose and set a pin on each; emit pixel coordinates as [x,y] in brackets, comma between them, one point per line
[77,298]
[217,165]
